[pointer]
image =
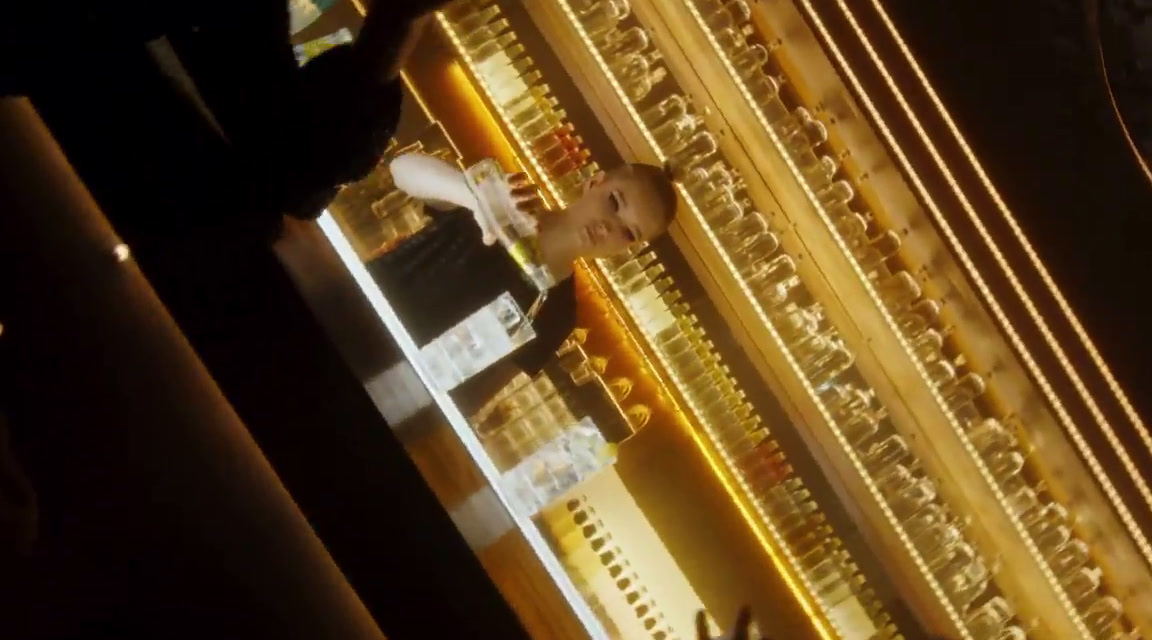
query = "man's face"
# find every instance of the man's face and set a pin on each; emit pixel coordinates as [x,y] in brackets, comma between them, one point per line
[618,210]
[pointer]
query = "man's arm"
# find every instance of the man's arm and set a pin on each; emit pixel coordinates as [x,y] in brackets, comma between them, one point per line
[390,32]
[433,181]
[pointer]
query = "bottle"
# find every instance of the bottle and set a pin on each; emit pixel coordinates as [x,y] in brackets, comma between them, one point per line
[477,20]
[839,192]
[474,41]
[699,147]
[631,40]
[630,66]
[570,163]
[750,62]
[603,16]
[734,13]
[674,133]
[490,47]
[639,87]
[536,97]
[673,106]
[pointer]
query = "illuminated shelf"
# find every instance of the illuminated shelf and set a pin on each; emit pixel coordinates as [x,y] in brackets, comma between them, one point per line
[844,609]
[1030,252]
[769,136]
[1020,588]
[653,149]
[1126,571]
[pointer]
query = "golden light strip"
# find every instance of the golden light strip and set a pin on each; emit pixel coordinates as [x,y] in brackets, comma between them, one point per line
[708,454]
[986,473]
[764,319]
[766,322]
[792,571]
[1017,342]
[1029,543]
[1033,256]
[509,127]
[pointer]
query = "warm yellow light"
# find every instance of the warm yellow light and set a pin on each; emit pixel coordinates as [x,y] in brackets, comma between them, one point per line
[1033,257]
[1022,531]
[787,566]
[1014,337]
[552,194]
[938,591]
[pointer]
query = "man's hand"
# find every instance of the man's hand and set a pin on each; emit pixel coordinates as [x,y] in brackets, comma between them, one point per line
[741,631]
[527,201]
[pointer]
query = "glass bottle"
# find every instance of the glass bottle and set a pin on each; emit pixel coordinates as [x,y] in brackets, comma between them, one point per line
[674,133]
[936,542]
[733,13]
[630,66]
[696,150]
[491,45]
[930,516]
[920,317]
[839,192]
[1065,561]
[1102,614]
[673,106]
[1052,538]
[750,62]
[757,250]
[570,163]
[913,498]
[986,622]
[899,290]
[632,40]
[536,96]
[765,90]
[1082,583]
[726,211]
[826,370]
[886,453]
[772,272]
[634,267]
[477,20]
[744,230]
[733,39]
[603,16]
[1005,463]
[637,88]
[965,389]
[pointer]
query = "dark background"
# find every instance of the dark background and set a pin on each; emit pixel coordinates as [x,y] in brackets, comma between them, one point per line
[1022,79]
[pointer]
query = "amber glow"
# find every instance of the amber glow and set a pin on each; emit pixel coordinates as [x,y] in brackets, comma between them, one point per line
[786,565]
[1033,257]
[993,304]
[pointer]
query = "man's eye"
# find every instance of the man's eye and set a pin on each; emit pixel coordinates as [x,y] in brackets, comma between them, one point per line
[615,202]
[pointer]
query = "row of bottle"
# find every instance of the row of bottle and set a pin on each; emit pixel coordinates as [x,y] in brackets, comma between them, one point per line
[802,135]
[372,212]
[604,575]
[998,447]
[936,533]
[746,443]
[745,236]
[516,87]
[637,69]
[917,317]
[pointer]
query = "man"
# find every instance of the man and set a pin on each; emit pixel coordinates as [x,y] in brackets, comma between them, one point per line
[202,109]
[451,268]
